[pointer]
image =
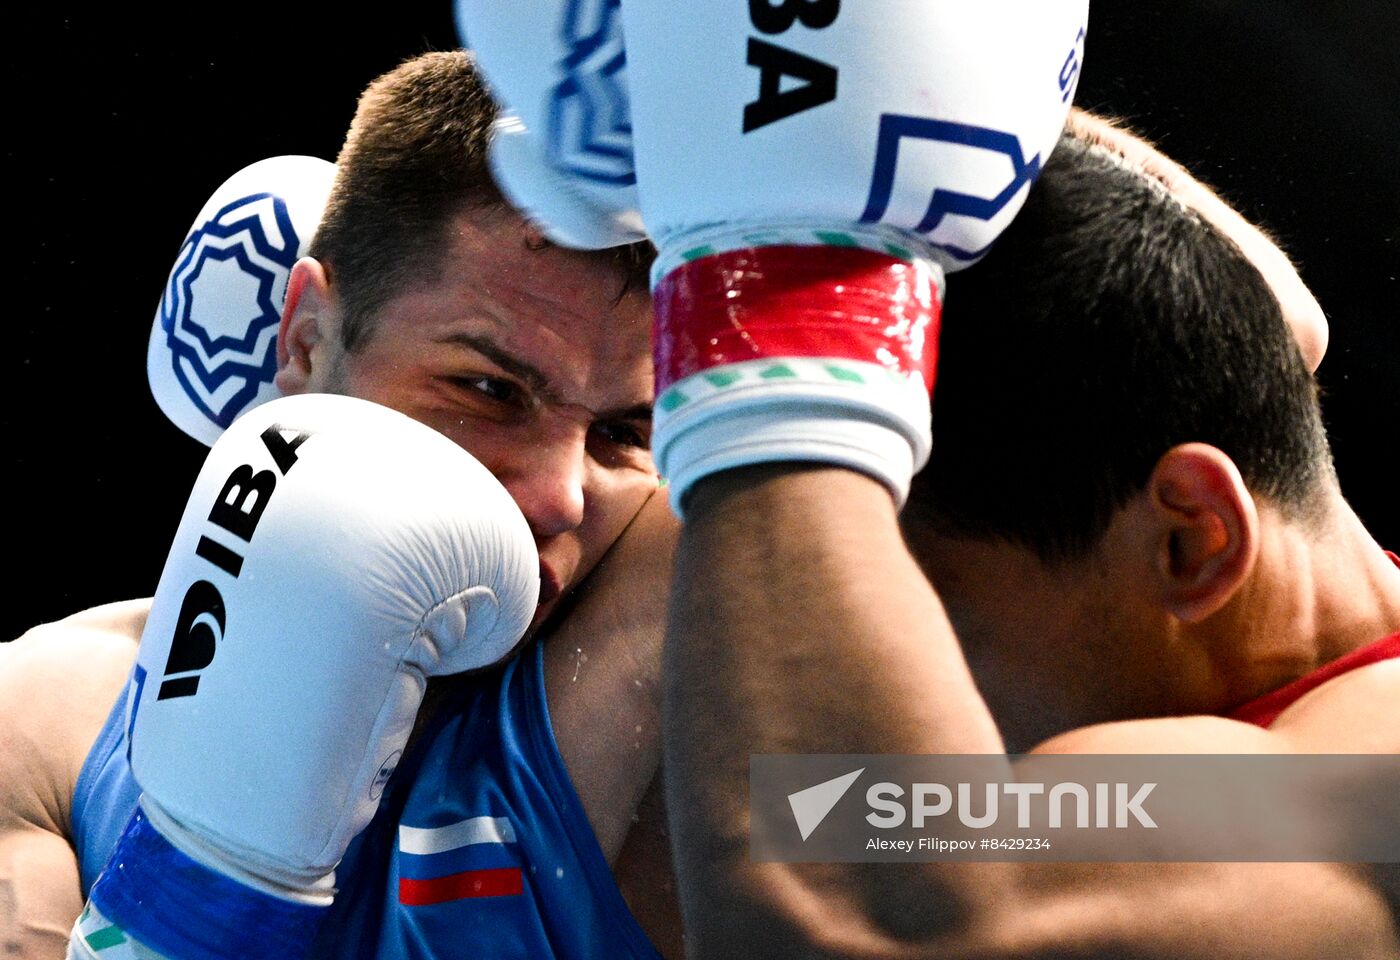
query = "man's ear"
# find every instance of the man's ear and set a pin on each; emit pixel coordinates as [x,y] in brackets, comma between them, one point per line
[310,321]
[1208,529]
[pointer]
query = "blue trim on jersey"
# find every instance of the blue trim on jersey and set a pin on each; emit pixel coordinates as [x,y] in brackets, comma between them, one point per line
[104,796]
[148,883]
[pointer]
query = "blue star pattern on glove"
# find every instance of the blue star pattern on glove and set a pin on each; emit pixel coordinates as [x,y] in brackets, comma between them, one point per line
[223,303]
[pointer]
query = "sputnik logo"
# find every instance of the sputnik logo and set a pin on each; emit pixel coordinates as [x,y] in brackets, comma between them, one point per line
[810,806]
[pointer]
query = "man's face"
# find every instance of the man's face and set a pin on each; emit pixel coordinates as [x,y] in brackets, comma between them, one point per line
[529,361]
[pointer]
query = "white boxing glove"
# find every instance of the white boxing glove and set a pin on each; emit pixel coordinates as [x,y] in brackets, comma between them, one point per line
[333,556]
[562,148]
[212,352]
[808,170]
[932,117]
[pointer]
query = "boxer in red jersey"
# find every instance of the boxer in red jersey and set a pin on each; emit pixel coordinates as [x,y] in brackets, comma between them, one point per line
[1129,532]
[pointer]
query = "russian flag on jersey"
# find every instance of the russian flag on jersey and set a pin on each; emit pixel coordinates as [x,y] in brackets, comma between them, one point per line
[475,857]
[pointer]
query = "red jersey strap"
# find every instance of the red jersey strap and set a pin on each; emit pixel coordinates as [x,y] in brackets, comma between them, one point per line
[1265,710]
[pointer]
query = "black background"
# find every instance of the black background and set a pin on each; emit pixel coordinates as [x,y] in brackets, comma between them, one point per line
[120,124]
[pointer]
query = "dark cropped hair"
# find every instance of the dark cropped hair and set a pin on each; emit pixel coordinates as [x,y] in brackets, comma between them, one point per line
[414,158]
[1109,324]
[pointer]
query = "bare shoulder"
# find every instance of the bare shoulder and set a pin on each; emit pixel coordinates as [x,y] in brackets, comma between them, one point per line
[57,684]
[60,668]
[1351,713]
[124,619]
[1193,734]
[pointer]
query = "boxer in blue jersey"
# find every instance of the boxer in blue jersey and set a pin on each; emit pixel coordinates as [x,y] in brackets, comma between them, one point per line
[442,303]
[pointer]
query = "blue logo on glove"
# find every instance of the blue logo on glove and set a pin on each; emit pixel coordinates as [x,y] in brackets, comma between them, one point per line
[223,303]
[590,122]
[895,128]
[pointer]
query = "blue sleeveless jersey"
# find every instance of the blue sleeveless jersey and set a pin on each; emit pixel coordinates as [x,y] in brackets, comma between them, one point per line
[480,847]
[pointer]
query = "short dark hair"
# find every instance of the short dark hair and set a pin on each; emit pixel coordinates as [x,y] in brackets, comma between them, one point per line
[1109,324]
[414,158]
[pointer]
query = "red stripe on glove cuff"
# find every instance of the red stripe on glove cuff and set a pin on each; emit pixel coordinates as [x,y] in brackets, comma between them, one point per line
[794,301]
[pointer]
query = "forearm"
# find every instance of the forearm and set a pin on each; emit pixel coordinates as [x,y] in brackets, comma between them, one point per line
[789,619]
[39,893]
[57,684]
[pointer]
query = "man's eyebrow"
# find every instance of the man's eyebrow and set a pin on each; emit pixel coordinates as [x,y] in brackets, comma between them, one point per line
[534,378]
[638,411]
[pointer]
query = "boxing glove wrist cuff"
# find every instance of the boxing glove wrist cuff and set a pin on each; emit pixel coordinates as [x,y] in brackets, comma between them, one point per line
[846,413]
[806,344]
[181,908]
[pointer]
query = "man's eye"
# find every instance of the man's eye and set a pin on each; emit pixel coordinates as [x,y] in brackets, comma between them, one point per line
[502,391]
[623,433]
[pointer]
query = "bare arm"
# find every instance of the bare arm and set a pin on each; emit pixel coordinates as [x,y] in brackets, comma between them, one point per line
[57,684]
[790,621]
